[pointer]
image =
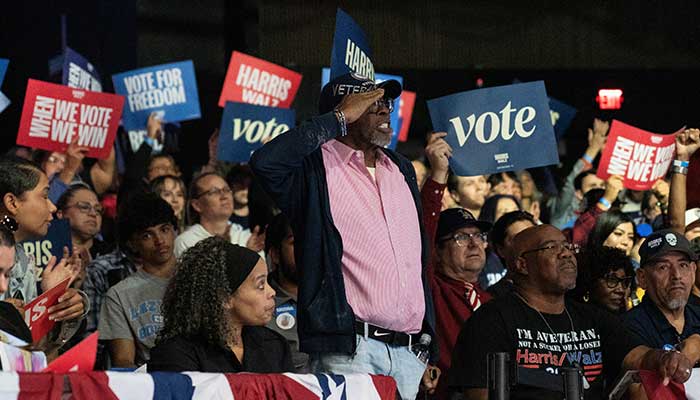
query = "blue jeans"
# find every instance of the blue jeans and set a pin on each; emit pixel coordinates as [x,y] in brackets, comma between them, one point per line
[375,357]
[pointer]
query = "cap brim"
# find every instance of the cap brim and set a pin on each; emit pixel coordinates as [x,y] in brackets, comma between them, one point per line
[392,88]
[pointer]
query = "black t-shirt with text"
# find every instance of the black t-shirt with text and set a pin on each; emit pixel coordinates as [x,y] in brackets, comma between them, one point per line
[597,344]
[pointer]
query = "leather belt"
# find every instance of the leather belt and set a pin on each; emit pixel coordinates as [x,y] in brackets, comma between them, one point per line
[385,335]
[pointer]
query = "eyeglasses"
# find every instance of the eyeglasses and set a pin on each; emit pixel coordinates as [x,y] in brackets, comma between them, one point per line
[462,238]
[383,102]
[558,248]
[612,280]
[215,192]
[87,208]
[56,160]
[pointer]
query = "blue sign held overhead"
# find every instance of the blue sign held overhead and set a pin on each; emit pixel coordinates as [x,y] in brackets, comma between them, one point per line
[395,120]
[4,62]
[246,127]
[562,115]
[496,129]
[170,89]
[351,51]
[78,72]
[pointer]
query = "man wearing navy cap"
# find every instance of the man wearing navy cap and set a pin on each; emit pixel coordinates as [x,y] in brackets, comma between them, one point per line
[665,319]
[354,208]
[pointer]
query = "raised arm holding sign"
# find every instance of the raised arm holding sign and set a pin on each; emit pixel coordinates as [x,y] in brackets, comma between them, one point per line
[640,157]
[497,129]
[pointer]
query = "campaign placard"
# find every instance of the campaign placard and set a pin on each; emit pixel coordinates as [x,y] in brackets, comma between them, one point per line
[639,157]
[53,115]
[4,62]
[77,359]
[351,50]
[4,102]
[79,73]
[36,314]
[408,101]
[255,81]
[246,127]
[42,249]
[395,121]
[136,138]
[496,129]
[168,89]
[562,115]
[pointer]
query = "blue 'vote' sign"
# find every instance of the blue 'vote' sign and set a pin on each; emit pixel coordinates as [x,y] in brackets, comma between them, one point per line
[246,127]
[351,51]
[168,89]
[562,115]
[496,129]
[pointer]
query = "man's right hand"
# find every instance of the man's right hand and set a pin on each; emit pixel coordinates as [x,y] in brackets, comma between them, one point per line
[438,152]
[355,104]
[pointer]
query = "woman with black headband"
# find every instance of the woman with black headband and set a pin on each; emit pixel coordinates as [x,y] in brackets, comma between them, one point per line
[215,309]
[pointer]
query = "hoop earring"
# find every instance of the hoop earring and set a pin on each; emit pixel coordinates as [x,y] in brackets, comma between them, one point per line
[586,297]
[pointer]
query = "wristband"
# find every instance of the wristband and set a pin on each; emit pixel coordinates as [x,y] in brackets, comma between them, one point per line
[679,163]
[604,202]
[587,158]
[150,141]
[679,170]
[341,120]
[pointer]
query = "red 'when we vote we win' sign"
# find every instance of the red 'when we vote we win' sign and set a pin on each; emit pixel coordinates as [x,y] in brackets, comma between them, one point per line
[54,115]
[639,157]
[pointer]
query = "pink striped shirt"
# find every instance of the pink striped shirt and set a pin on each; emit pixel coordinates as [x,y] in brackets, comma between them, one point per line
[378,223]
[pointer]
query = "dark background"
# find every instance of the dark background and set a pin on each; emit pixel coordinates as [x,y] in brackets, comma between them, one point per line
[649,49]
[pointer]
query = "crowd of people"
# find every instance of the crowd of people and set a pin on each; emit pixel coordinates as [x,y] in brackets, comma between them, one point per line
[328,252]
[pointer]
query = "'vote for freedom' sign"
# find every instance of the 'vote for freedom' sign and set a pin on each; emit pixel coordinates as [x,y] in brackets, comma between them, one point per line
[639,157]
[79,73]
[496,129]
[169,89]
[53,115]
[351,51]
[255,81]
[246,127]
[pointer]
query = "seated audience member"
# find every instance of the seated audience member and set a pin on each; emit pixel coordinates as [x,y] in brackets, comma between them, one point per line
[605,278]
[665,319]
[51,162]
[613,229]
[588,219]
[582,178]
[239,179]
[215,309]
[284,279]
[211,206]
[131,317]
[497,205]
[502,248]
[530,195]
[536,322]
[458,245]
[172,189]
[79,204]
[655,204]
[26,212]
[468,192]
[504,183]
[98,176]
[11,318]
